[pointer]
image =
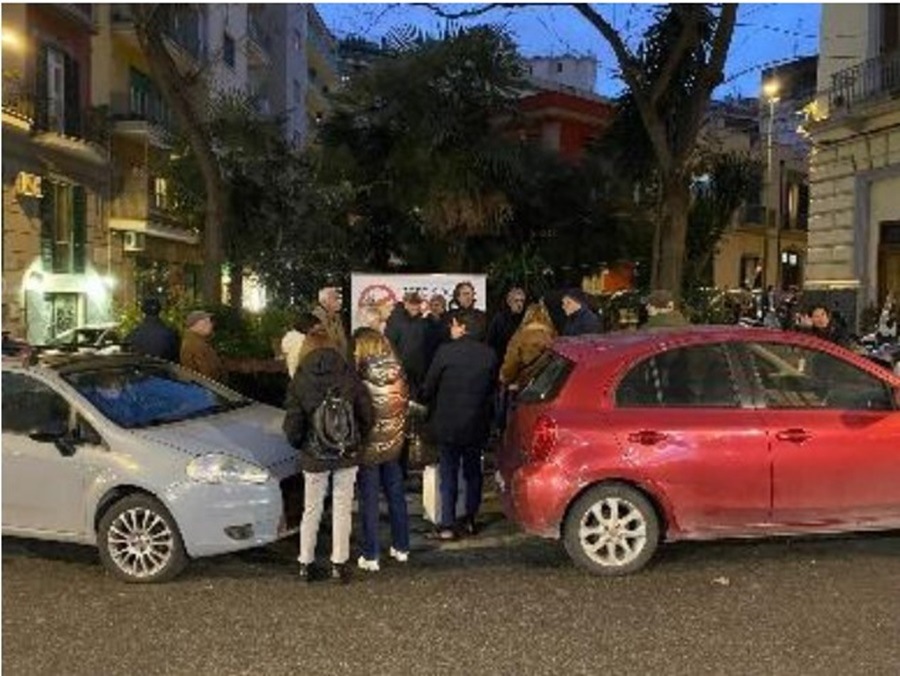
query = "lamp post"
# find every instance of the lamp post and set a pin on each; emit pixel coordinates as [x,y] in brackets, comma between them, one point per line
[770,91]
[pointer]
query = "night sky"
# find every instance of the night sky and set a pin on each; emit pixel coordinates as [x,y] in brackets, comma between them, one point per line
[766,33]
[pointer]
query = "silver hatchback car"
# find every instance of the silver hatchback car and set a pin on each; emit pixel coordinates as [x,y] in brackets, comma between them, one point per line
[150,462]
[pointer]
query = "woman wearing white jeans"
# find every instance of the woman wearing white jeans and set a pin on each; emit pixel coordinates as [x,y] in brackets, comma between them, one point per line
[315,487]
[323,370]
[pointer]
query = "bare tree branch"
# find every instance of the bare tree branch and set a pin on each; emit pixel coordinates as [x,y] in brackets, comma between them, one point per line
[686,40]
[469,13]
[626,59]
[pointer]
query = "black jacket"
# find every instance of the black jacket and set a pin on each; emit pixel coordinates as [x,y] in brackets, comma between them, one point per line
[458,391]
[501,330]
[321,370]
[582,321]
[409,338]
[154,338]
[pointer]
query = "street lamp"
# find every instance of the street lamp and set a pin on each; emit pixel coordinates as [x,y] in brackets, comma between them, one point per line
[770,92]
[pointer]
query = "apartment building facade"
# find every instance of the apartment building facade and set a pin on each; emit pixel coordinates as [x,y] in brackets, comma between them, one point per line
[57,271]
[854,227]
[766,244]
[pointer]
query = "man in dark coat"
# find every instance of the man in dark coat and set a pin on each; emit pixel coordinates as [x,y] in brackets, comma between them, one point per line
[458,389]
[579,317]
[153,336]
[323,369]
[407,331]
[504,324]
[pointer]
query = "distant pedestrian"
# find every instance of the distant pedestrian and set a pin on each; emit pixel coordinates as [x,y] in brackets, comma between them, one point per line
[463,303]
[323,371]
[526,347]
[407,330]
[436,327]
[458,390]
[197,353]
[504,324]
[153,337]
[661,311]
[823,323]
[329,313]
[290,346]
[580,320]
[380,470]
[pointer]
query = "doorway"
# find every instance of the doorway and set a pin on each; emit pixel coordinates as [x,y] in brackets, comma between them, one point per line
[889,260]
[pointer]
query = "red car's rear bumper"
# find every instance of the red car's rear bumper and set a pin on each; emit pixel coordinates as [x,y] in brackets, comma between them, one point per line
[535,497]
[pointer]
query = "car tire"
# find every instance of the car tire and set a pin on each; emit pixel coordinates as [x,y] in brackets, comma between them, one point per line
[612,529]
[139,541]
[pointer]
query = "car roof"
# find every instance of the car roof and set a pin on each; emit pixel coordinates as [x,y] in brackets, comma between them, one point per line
[74,362]
[605,347]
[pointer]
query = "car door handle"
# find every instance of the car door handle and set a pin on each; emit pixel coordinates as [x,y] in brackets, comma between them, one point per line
[794,435]
[646,437]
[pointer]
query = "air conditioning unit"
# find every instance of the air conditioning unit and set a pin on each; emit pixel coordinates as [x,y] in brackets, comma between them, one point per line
[134,241]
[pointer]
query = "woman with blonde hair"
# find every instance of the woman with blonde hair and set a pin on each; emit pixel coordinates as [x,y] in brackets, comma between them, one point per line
[383,375]
[534,335]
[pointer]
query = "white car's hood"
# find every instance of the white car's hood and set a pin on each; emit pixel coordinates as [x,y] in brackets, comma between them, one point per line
[252,433]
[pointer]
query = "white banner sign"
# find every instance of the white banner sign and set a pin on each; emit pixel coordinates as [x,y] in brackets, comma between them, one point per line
[384,291]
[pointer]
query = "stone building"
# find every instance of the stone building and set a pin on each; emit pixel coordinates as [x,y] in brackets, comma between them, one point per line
[854,226]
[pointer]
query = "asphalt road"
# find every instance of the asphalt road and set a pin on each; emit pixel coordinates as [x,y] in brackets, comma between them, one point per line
[501,603]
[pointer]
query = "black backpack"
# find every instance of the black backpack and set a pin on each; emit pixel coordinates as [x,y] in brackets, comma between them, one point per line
[334,429]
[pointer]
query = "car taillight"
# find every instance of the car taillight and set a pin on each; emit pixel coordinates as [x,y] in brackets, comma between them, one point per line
[543,438]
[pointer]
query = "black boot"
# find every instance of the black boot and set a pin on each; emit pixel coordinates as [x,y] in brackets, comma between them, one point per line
[340,573]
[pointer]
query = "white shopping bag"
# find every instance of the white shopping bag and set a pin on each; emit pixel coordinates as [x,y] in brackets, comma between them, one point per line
[431,494]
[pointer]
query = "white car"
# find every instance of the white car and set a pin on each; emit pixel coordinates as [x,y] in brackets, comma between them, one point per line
[150,462]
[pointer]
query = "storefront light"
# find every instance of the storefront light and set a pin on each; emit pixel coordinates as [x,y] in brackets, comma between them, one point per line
[95,287]
[35,282]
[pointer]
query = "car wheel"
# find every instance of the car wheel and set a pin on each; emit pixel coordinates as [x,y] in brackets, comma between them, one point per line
[611,530]
[139,541]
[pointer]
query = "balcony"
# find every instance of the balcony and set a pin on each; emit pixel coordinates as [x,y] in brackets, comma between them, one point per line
[55,123]
[869,82]
[138,208]
[141,115]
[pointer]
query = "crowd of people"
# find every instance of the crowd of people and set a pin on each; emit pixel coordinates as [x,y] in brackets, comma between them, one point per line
[423,354]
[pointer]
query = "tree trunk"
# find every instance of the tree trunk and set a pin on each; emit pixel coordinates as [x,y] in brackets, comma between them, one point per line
[236,286]
[177,91]
[673,234]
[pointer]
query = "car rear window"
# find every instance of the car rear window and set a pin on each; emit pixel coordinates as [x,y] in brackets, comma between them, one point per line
[552,373]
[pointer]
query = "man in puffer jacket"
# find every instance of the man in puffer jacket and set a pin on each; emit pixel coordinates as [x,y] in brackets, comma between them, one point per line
[322,369]
[380,470]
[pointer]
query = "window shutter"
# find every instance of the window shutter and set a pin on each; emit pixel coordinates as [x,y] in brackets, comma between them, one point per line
[41,88]
[72,124]
[47,224]
[79,228]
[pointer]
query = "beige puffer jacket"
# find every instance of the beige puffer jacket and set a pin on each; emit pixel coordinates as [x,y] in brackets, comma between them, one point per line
[386,382]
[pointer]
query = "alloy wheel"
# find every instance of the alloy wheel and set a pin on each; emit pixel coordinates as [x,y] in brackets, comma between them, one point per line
[613,532]
[140,542]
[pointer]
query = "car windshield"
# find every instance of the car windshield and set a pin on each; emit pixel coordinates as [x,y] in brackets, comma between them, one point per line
[145,395]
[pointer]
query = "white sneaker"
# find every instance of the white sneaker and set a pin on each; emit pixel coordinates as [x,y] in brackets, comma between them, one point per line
[370,565]
[397,555]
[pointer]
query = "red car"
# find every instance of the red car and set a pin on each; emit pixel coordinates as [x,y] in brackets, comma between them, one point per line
[624,440]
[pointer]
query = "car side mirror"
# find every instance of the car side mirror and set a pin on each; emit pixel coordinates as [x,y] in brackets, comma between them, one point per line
[897,398]
[50,431]
[57,433]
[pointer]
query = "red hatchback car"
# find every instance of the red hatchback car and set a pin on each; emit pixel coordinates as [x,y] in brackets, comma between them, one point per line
[624,440]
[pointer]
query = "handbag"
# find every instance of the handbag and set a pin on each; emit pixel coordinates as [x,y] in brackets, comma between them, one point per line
[421,449]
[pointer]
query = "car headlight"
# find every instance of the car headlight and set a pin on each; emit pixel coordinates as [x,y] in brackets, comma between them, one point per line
[224,469]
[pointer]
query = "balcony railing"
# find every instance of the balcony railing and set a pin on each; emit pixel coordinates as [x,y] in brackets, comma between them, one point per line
[142,106]
[43,114]
[866,82]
